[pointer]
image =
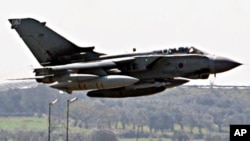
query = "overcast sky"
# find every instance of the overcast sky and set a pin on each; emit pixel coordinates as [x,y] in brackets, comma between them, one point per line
[220,27]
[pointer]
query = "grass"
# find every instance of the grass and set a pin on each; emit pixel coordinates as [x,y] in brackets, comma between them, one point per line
[28,123]
[148,139]
[144,139]
[41,124]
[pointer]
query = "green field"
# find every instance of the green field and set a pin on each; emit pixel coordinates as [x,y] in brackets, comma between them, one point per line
[27,123]
[13,124]
[143,139]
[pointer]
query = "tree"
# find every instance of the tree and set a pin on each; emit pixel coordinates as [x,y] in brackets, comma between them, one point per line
[103,135]
[180,136]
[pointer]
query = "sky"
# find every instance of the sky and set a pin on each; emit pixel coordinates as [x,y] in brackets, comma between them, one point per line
[219,27]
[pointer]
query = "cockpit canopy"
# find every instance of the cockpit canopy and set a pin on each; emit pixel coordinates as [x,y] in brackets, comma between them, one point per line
[180,50]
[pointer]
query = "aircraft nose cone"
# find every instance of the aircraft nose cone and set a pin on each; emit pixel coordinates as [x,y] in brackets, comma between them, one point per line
[222,64]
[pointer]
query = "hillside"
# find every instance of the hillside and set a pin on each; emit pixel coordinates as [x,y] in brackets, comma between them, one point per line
[201,112]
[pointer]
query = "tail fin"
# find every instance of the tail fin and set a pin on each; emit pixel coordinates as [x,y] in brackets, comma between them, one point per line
[47,46]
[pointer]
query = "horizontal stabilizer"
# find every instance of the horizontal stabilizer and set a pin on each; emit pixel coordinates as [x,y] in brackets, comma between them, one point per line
[31,78]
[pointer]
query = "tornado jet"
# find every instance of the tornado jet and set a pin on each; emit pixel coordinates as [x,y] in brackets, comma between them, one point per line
[68,67]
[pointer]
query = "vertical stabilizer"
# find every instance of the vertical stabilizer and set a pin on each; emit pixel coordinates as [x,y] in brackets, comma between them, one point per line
[46,45]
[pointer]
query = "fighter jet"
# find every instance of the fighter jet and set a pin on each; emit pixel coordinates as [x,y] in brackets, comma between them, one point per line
[68,67]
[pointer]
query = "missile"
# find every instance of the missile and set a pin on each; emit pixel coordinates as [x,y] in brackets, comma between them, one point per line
[166,84]
[64,77]
[103,82]
[75,77]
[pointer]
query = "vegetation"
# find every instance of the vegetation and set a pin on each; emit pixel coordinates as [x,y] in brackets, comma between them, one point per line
[178,114]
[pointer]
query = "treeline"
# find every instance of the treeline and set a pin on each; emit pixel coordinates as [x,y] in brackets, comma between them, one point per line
[190,112]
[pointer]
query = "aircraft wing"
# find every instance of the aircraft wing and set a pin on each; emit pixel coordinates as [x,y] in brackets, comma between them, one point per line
[95,67]
[80,66]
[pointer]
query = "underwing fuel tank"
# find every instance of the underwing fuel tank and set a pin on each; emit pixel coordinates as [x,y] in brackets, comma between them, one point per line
[116,93]
[104,82]
[136,90]
[166,84]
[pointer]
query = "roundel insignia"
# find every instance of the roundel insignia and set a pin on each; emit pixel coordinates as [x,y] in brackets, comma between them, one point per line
[181,65]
